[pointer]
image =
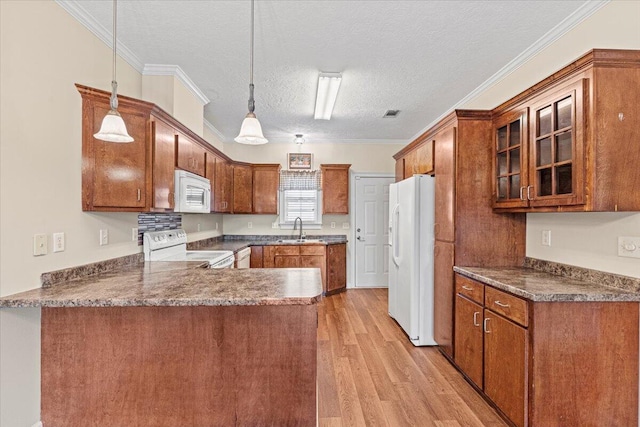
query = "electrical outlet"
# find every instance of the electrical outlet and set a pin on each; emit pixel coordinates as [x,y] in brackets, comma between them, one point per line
[39,244]
[629,247]
[274,224]
[104,237]
[134,234]
[546,238]
[58,242]
[333,224]
[345,225]
[249,224]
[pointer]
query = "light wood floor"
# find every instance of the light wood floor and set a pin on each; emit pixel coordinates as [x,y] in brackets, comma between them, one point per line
[370,374]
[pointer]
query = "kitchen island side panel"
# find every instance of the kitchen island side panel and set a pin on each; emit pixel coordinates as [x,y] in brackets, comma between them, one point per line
[168,366]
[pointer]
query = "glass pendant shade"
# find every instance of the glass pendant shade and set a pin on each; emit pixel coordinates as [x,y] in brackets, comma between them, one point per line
[113,129]
[251,131]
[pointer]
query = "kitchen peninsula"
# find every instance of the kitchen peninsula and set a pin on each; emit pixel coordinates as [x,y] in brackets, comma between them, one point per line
[174,344]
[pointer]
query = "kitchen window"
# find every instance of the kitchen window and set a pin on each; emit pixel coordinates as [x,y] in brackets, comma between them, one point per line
[300,196]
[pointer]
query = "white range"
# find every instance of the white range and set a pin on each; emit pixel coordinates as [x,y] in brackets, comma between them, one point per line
[171,245]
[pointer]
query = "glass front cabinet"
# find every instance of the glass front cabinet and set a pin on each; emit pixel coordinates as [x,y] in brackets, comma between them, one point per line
[539,151]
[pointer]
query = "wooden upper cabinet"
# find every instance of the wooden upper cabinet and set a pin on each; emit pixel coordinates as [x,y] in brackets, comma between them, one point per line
[164,160]
[210,174]
[424,158]
[223,191]
[510,174]
[191,156]
[571,128]
[419,159]
[242,189]
[445,161]
[400,169]
[410,163]
[335,189]
[115,177]
[266,184]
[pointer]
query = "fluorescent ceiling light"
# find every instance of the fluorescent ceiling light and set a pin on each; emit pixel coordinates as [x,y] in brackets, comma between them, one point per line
[328,85]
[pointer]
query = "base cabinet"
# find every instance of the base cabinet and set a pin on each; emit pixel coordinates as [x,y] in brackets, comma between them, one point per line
[336,268]
[550,364]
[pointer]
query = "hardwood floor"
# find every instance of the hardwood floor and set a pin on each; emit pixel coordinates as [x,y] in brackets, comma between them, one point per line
[370,374]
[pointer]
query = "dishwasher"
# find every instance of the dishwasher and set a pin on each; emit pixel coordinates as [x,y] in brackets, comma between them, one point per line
[243,258]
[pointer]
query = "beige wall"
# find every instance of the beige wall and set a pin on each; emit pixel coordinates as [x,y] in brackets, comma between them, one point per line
[363,157]
[587,239]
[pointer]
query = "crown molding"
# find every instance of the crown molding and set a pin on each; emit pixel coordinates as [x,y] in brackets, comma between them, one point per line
[177,72]
[215,131]
[289,140]
[75,9]
[582,13]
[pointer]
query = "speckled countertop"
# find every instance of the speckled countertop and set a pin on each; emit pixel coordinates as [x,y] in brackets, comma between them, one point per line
[236,242]
[177,284]
[537,285]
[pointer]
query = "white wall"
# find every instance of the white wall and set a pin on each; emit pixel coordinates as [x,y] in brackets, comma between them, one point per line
[582,239]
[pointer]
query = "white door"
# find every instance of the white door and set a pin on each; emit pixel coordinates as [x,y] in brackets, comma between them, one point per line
[372,228]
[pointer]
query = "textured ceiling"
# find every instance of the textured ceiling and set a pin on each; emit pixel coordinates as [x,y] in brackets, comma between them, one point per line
[420,57]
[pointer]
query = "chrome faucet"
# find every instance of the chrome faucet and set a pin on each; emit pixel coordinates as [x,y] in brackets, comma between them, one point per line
[295,223]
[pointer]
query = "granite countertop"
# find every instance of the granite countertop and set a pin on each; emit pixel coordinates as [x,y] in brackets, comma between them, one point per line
[536,285]
[177,284]
[236,243]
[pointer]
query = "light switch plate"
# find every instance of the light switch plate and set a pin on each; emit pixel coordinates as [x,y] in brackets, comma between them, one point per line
[629,247]
[546,238]
[39,244]
[104,237]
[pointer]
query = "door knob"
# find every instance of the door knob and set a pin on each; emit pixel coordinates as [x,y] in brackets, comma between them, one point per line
[358,230]
[360,238]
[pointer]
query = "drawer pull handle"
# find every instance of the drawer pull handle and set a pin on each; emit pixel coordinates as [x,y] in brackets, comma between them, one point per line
[475,318]
[467,288]
[501,304]
[486,330]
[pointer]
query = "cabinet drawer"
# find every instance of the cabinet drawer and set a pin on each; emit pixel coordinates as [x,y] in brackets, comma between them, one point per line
[507,305]
[470,289]
[312,250]
[286,250]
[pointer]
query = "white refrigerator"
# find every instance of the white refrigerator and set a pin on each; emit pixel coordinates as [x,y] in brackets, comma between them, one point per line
[411,239]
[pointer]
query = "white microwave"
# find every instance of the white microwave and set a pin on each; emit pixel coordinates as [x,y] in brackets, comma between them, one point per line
[192,193]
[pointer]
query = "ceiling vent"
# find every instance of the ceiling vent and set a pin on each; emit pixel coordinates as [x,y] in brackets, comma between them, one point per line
[391,114]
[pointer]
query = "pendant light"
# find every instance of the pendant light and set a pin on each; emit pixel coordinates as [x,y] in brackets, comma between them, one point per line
[251,131]
[113,128]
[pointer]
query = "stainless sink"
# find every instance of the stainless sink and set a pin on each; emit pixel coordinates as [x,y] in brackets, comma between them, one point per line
[300,241]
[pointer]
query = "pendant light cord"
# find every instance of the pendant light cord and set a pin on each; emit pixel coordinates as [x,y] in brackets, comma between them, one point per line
[114,84]
[252,103]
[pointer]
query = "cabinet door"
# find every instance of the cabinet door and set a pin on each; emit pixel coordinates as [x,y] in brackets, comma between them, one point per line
[505,366]
[242,189]
[336,267]
[256,257]
[164,163]
[410,163]
[335,189]
[443,294]
[468,339]
[119,178]
[191,156]
[424,158]
[266,184]
[286,261]
[510,159]
[223,186]
[557,148]
[445,157]
[210,174]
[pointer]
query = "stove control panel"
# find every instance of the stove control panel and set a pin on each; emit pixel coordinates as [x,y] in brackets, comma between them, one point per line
[155,240]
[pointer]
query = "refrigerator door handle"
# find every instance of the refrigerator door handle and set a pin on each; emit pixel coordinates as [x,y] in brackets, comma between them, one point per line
[395,244]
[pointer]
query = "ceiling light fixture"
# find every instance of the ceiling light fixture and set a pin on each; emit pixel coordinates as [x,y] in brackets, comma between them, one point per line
[298,139]
[328,86]
[251,131]
[113,128]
